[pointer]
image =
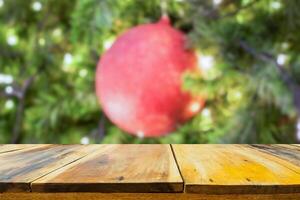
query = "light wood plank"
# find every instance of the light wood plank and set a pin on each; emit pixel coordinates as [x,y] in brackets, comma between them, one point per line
[286,152]
[234,169]
[19,168]
[142,196]
[117,168]
[14,147]
[289,146]
[296,145]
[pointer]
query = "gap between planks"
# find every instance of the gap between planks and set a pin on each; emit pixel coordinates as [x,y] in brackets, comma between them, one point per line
[178,168]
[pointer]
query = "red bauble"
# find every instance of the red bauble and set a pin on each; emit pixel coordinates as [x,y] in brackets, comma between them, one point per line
[139,80]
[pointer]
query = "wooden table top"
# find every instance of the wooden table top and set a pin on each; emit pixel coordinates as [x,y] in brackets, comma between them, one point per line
[197,169]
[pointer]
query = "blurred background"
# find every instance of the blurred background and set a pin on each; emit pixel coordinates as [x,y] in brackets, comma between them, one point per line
[249,57]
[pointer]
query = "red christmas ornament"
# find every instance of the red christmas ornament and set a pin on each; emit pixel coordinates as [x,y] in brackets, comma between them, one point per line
[139,79]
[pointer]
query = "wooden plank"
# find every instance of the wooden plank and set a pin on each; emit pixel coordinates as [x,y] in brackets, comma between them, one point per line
[142,196]
[14,147]
[297,145]
[19,168]
[117,168]
[289,146]
[234,169]
[286,152]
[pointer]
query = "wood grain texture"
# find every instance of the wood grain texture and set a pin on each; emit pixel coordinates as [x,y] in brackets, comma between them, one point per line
[19,168]
[289,146]
[235,169]
[286,152]
[142,196]
[14,147]
[117,168]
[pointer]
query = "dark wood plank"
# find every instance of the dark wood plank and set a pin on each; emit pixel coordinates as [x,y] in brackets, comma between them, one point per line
[235,169]
[19,168]
[117,168]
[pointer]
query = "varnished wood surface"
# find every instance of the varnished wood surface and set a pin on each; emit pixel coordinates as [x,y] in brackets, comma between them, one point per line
[147,171]
[19,168]
[117,168]
[13,147]
[286,152]
[142,196]
[238,169]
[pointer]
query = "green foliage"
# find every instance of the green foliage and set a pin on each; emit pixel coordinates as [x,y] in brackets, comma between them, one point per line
[58,46]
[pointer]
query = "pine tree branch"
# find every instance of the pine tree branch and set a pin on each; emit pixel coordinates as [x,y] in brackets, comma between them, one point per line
[99,133]
[20,112]
[285,76]
[240,9]
[15,93]
[101,128]
[16,135]
[5,53]
[214,13]
[94,55]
